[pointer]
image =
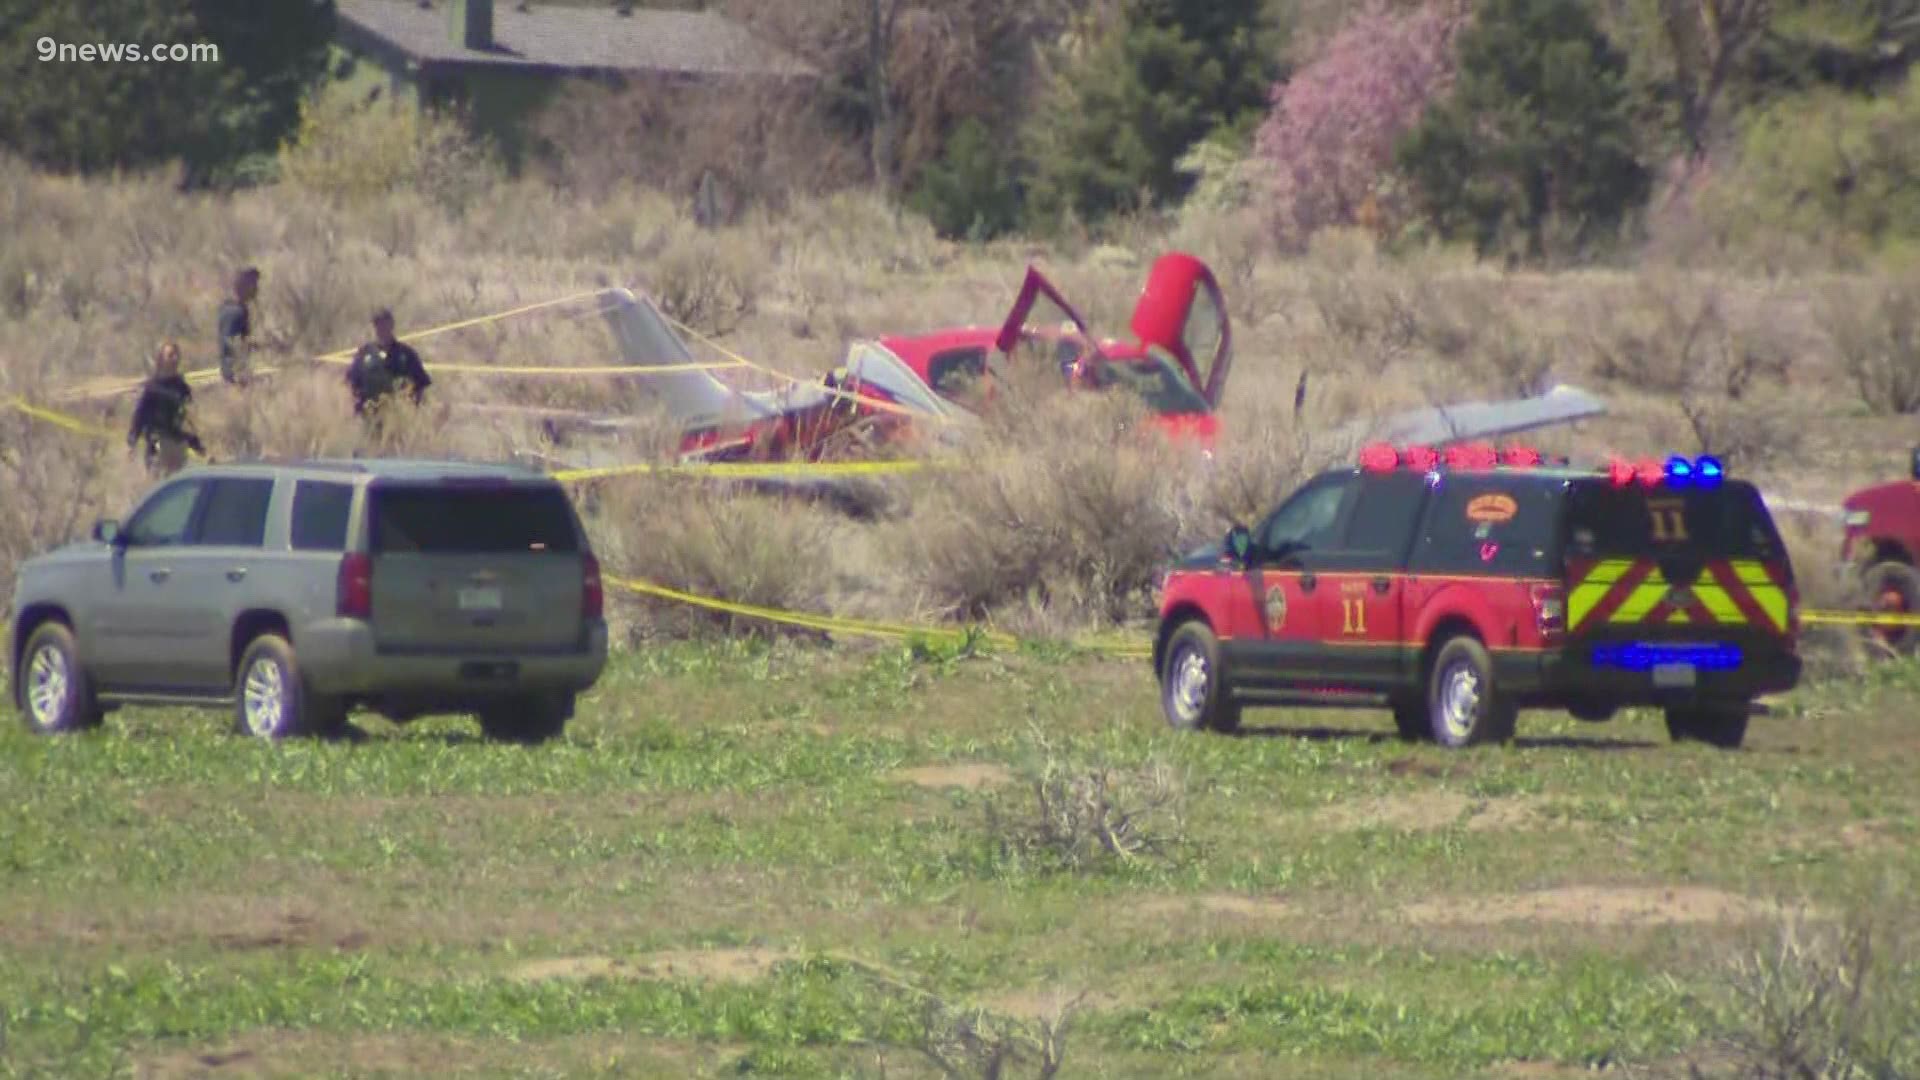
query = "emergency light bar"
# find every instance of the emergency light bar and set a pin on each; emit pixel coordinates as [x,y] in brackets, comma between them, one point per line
[1677,471]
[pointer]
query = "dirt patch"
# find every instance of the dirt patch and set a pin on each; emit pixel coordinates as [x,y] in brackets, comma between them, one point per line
[298,1054]
[969,777]
[699,965]
[1410,767]
[1430,810]
[1258,908]
[1596,905]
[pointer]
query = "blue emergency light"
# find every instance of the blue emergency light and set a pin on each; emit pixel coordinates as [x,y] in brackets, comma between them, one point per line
[1704,472]
[1645,656]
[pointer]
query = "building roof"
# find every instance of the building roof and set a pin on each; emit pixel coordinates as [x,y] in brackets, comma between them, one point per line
[575,38]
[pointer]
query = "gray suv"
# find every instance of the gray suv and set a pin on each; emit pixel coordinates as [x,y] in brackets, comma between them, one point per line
[293,593]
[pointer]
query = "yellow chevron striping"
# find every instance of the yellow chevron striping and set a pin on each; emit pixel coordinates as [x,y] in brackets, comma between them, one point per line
[1715,599]
[1594,588]
[1771,599]
[1644,599]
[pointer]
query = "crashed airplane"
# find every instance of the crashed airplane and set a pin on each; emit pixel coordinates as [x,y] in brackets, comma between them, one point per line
[897,392]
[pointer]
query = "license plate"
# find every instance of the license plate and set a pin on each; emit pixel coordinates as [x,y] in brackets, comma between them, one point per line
[1673,675]
[480,599]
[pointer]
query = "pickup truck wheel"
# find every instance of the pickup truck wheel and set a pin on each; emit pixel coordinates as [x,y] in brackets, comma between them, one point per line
[529,720]
[52,690]
[1464,705]
[1724,726]
[1893,588]
[271,699]
[1191,694]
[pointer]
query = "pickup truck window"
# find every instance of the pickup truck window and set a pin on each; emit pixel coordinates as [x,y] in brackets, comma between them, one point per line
[1308,520]
[1728,522]
[320,511]
[163,519]
[432,520]
[236,514]
[1489,525]
[1385,514]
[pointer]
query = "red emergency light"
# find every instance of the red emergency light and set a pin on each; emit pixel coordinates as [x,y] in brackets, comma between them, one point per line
[1383,457]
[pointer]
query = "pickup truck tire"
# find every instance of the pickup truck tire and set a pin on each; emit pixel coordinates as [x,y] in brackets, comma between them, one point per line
[530,719]
[1192,696]
[270,696]
[1464,705]
[51,688]
[1893,588]
[1724,726]
[1410,718]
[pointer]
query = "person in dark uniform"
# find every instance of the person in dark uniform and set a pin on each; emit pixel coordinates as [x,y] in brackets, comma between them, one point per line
[385,365]
[160,422]
[236,328]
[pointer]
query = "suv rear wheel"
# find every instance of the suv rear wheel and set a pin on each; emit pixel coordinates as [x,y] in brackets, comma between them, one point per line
[52,690]
[1724,726]
[271,699]
[1464,705]
[1191,693]
[530,719]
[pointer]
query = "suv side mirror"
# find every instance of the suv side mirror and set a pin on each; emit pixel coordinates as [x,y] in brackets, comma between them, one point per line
[107,531]
[1916,463]
[1239,544]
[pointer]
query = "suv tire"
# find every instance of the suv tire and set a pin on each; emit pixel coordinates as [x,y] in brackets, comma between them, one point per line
[271,698]
[1724,726]
[1464,705]
[1191,694]
[1893,588]
[50,687]
[530,719]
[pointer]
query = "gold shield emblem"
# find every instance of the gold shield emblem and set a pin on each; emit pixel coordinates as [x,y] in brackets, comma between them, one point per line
[1276,608]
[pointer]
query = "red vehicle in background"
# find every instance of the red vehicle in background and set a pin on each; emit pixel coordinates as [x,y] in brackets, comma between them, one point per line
[1883,539]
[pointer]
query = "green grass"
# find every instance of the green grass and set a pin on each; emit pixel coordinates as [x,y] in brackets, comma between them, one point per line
[1338,903]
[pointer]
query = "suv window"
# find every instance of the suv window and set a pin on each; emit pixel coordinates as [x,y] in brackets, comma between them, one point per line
[1728,522]
[458,520]
[1308,520]
[236,513]
[1497,524]
[163,519]
[320,511]
[1384,513]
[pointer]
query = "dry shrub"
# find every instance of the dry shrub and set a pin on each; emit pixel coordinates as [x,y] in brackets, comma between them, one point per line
[964,1042]
[1055,512]
[1874,329]
[57,484]
[708,281]
[1820,1000]
[692,535]
[308,413]
[1265,451]
[1086,815]
[353,150]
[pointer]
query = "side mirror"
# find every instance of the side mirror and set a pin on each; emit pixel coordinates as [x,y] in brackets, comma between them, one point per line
[107,531]
[1239,544]
[1916,463]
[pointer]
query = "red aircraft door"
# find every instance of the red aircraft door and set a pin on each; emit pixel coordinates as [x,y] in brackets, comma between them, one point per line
[1182,311]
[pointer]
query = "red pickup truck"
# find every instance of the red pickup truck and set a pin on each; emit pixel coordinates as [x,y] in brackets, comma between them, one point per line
[1883,536]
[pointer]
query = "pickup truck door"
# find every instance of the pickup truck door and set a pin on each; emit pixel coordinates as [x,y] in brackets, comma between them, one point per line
[140,640]
[1361,587]
[1283,586]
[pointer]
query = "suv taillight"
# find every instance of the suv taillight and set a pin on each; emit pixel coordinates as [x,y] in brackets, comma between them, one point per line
[353,597]
[593,595]
[1549,608]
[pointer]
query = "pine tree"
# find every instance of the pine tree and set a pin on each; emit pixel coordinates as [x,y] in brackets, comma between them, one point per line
[1168,74]
[1537,133]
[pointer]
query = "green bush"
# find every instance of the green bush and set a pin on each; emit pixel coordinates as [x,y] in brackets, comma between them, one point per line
[970,193]
[348,150]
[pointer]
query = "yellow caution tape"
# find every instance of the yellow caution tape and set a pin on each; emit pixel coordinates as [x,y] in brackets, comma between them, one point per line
[829,623]
[59,419]
[601,369]
[1847,618]
[747,470]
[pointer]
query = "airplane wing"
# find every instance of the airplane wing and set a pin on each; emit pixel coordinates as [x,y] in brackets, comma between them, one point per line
[646,340]
[1443,424]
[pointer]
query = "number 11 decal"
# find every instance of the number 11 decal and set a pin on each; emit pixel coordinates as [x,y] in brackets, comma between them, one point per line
[1353,615]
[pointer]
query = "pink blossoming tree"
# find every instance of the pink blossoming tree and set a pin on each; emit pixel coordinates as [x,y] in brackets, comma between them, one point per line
[1327,146]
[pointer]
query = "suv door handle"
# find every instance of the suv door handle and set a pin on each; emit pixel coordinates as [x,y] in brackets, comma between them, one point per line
[1382,583]
[159,575]
[236,573]
[1307,581]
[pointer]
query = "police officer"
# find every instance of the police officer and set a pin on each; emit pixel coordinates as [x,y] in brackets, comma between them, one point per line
[384,365]
[160,416]
[236,328]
